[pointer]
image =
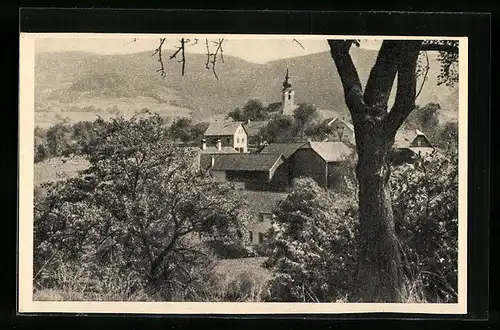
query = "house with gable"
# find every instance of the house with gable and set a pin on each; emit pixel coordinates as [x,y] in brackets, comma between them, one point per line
[407,149]
[343,130]
[324,162]
[227,134]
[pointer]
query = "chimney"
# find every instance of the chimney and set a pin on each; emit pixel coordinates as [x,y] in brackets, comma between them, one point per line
[248,121]
[219,144]
[203,144]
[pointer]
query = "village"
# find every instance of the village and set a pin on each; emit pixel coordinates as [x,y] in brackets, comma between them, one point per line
[263,172]
[248,188]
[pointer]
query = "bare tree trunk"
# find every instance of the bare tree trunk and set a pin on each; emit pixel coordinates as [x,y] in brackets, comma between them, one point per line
[380,271]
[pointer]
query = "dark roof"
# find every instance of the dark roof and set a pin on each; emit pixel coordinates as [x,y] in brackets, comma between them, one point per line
[253,127]
[262,201]
[245,162]
[286,149]
[222,128]
[330,151]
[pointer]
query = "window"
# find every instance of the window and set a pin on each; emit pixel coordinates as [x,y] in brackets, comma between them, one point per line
[250,236]
[289,96]
[242,140]
[346,136]
[228,140]
[237,140]
[261,237]
[419,143]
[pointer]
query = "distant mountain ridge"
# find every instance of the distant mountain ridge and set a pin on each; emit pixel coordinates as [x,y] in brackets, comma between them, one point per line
[67,78]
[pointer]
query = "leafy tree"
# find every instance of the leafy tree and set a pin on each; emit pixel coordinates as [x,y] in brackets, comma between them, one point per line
[253,110]
[181,129]
[279,129]
[198,130]
[447,137]
[424,118]
[59,141]
[236,115]
[312,245]
[185,130]
[83,133]
[273,107]
[304,114]
[142,208]
[319,131]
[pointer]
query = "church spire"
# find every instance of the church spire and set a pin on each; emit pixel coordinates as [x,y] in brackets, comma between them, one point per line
[287,83]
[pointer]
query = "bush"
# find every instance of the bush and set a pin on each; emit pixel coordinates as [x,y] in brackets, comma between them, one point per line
[312,248]
[425,203]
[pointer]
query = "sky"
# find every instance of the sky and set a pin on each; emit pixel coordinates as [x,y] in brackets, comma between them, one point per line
[257,50]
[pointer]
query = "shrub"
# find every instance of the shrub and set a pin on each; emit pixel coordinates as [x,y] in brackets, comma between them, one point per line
[312,248]
[425,203]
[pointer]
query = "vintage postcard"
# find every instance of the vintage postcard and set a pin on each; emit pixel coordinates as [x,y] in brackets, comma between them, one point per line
[242,174]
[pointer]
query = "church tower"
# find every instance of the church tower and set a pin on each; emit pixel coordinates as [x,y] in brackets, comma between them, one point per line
[287,97]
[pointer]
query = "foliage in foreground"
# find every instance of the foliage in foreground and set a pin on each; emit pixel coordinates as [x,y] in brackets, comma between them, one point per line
[425,199]
[313,248]
[141,214]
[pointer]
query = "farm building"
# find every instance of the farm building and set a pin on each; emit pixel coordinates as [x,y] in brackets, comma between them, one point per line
[260,171]
[227,134]
[406,150]
[262,206]
[321,161]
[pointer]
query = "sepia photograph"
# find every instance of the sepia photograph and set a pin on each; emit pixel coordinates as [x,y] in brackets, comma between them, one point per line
[188,174]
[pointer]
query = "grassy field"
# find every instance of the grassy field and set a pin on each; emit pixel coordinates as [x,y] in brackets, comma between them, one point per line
[244,277]
[56,112]
[58,168]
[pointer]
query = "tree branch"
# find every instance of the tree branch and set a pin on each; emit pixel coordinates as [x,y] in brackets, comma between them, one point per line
[160,58]
[427,67]
[353,91]
[404,101]
[382,75]
[181,50]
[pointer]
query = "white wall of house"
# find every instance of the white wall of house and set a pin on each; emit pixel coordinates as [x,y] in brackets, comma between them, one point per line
[240,140]
[342,131]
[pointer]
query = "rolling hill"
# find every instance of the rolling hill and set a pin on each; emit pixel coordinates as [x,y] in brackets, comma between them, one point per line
[77,86]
